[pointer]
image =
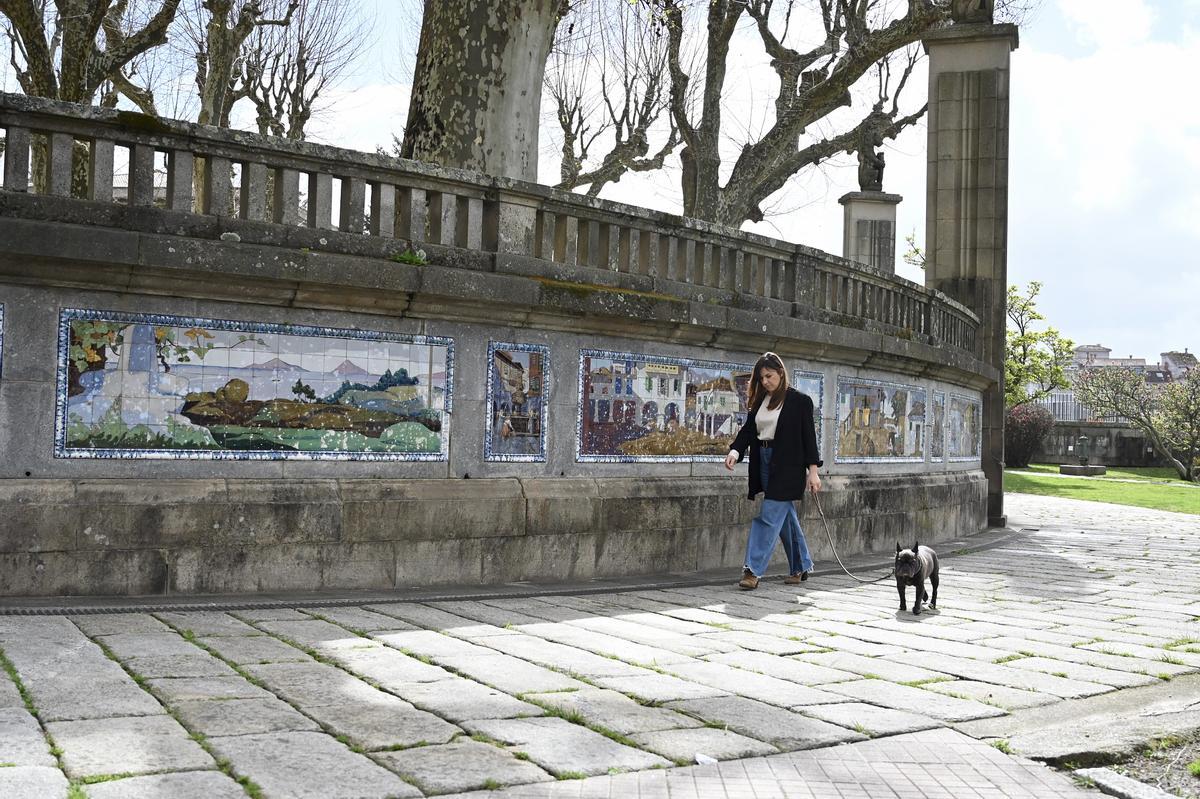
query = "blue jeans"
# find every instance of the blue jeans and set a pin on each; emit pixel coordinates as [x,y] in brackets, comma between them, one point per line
[775,518]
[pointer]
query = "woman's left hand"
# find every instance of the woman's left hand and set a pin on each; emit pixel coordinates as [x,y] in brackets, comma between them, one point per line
[813,483]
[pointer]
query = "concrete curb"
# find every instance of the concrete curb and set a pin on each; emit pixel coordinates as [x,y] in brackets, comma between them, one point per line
[1114,784]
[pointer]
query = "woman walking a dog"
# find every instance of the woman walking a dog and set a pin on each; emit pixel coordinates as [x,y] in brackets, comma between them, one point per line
[780,437]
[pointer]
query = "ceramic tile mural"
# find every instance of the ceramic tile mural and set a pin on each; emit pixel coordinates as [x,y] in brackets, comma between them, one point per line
[879,421]
[813,384]
[964,431]
[143,386]
[657,409]
[517,402]
[937,429]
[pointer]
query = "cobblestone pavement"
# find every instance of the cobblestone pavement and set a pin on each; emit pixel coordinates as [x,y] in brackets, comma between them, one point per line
[819,690]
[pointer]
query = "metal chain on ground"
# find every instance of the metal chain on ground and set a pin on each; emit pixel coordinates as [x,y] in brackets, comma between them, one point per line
[833,548]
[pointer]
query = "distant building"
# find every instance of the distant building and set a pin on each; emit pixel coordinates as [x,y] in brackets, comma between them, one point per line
[1177,364]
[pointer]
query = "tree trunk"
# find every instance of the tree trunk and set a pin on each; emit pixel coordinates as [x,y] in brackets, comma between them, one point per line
[477,87]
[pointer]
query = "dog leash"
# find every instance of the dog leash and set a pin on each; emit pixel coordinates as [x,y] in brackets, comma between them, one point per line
[833,548]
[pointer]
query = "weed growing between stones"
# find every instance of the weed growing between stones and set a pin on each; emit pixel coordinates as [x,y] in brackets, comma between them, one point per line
[1009,658]
[1003,746]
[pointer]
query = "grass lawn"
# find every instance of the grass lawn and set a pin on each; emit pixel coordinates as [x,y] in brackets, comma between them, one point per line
[1179,498]
[1158,473]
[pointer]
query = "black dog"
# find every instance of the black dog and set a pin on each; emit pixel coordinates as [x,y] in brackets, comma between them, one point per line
[913,567]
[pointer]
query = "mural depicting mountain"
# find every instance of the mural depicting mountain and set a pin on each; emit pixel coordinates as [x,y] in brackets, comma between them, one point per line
[276,363]
[348,368]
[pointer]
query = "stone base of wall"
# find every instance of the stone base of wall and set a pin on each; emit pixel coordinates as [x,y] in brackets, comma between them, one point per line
[198,536]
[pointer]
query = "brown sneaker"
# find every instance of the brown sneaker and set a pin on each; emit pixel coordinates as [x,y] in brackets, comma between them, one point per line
[796,579]
[748,582]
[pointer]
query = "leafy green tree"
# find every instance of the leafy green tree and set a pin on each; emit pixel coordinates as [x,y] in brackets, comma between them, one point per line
[1169,415]
[304,392]
[1035,361]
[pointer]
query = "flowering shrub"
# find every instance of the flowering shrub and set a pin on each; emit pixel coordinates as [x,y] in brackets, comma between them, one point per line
[1024,429]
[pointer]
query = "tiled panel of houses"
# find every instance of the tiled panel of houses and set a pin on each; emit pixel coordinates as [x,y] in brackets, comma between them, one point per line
[937,430]
[518,387]
[640,408]
[964,433]
[879,421]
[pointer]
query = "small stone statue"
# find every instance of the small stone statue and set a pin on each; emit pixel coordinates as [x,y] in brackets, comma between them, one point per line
[870,170]
[971,11]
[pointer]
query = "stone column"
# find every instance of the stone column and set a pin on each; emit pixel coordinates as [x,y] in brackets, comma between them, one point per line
[869,228]
[966,217]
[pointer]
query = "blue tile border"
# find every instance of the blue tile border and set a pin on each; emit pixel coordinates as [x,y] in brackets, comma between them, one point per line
[645,358]
[68,315]
[913,390]
[1,339]
[818,400]
[540,349]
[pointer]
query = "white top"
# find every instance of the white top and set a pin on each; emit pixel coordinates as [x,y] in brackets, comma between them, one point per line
[766,420]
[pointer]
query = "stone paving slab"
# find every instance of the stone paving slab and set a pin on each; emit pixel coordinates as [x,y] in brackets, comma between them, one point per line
[430,643]
[563,748]
[386,666]
[93,625]
[659,688]
[69,698]
[613,711]
[21,740]
[180,785]
[308,765]
[132,645]
[566,658]
[310,633]
[10,697]
[463,765]
[435,617]
[758,642]
[194,664]
[915,700]
[244,650]
[604,645]
[996,695]
[871,720]
[242,717]
[312,684]
[359,619]
[884,668]
[458,700]
[846,645]
[135,745]
[751,684]
[784,668]
[783,729]
[1078,671]
[682,746]
[33,782]
[1011,675]
[255,615]
[384,722]
[208,622]
[173,690]
[1090,658]
[510,674]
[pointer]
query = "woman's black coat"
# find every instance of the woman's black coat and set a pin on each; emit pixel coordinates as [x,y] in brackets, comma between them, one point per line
[794,450]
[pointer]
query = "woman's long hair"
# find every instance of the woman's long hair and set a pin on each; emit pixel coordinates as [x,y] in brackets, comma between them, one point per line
[757,393]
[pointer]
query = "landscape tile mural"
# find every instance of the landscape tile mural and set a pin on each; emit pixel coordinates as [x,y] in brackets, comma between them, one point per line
[517,402]
[813,384]
[964,428]
[656,409]
[937,430]
[149,386]
[879,421]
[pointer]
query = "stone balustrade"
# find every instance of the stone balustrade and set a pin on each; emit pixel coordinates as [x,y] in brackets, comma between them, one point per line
[462,218]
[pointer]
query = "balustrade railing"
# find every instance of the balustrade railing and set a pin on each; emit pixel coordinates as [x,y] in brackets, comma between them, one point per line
[67,151]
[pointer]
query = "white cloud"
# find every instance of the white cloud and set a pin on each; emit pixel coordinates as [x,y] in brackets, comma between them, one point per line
[1107,23]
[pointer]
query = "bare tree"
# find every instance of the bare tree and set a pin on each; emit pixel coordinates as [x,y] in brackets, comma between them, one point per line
[608,78]
[284,69]
[67,49]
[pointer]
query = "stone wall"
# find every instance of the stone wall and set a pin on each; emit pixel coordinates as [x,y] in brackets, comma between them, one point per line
[1110,445]
[536,385]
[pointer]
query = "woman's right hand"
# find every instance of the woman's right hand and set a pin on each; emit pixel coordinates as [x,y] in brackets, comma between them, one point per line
[731,460]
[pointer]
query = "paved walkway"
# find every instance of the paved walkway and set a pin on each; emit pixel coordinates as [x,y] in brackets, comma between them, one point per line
[821,690]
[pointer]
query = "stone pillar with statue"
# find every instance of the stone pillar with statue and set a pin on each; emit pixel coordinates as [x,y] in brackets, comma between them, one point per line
[966,216]
[869,214]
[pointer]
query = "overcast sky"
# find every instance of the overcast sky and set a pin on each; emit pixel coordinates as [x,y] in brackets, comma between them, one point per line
[1104,161]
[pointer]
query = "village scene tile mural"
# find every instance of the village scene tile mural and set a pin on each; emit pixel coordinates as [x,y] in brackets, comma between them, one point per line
[517,402]
[135,386]
[964,428]
[937,429]
[879,421]
[657,409]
